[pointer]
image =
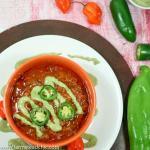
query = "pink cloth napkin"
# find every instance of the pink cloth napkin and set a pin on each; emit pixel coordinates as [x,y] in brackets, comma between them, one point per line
[13,12]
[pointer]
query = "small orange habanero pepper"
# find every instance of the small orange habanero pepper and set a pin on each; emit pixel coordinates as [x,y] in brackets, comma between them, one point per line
[63,5]
[93,13]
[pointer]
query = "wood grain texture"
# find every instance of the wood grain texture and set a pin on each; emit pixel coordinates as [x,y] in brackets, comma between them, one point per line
[13,12]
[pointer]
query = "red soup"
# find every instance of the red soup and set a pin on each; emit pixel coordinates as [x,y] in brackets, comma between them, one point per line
[50,103]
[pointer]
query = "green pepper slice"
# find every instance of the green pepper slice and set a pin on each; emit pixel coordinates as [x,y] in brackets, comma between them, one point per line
[143,52]
[48,93]
[66,112]
[40,116]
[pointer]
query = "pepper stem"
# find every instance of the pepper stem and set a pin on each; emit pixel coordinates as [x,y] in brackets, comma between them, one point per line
[78,3]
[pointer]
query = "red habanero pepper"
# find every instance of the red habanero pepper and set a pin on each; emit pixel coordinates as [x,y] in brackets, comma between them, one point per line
[63,5]
[76,145]
[2,114]
[93,12]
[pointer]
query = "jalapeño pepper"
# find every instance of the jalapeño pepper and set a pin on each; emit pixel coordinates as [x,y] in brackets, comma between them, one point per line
[66,112]
[123,19]
[48,93]
[139,111]
[40,116]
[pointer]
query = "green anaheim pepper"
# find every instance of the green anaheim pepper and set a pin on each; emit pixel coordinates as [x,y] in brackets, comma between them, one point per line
[48,93]
[66,112]
[123,20]
[40,116]
[139,111]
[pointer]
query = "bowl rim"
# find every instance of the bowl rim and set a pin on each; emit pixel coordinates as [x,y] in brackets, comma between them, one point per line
[139,6]
[9,88]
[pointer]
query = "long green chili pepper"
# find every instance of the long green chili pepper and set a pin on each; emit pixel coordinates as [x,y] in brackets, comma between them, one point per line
[139,111]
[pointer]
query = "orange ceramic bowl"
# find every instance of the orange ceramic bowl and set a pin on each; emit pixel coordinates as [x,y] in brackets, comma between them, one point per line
[56,60]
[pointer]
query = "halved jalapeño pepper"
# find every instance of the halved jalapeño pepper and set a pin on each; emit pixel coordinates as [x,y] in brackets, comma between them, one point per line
[66,112]
[48,93]
[143,52]
[40,116]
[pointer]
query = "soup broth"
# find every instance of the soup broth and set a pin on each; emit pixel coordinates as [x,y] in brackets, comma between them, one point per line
[49,103]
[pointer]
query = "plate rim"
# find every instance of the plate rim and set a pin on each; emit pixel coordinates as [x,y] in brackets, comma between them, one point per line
[80,33]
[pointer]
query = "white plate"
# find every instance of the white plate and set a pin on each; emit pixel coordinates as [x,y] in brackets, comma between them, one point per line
[107,122]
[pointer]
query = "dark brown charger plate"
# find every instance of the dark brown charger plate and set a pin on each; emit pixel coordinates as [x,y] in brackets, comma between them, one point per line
[53,27]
